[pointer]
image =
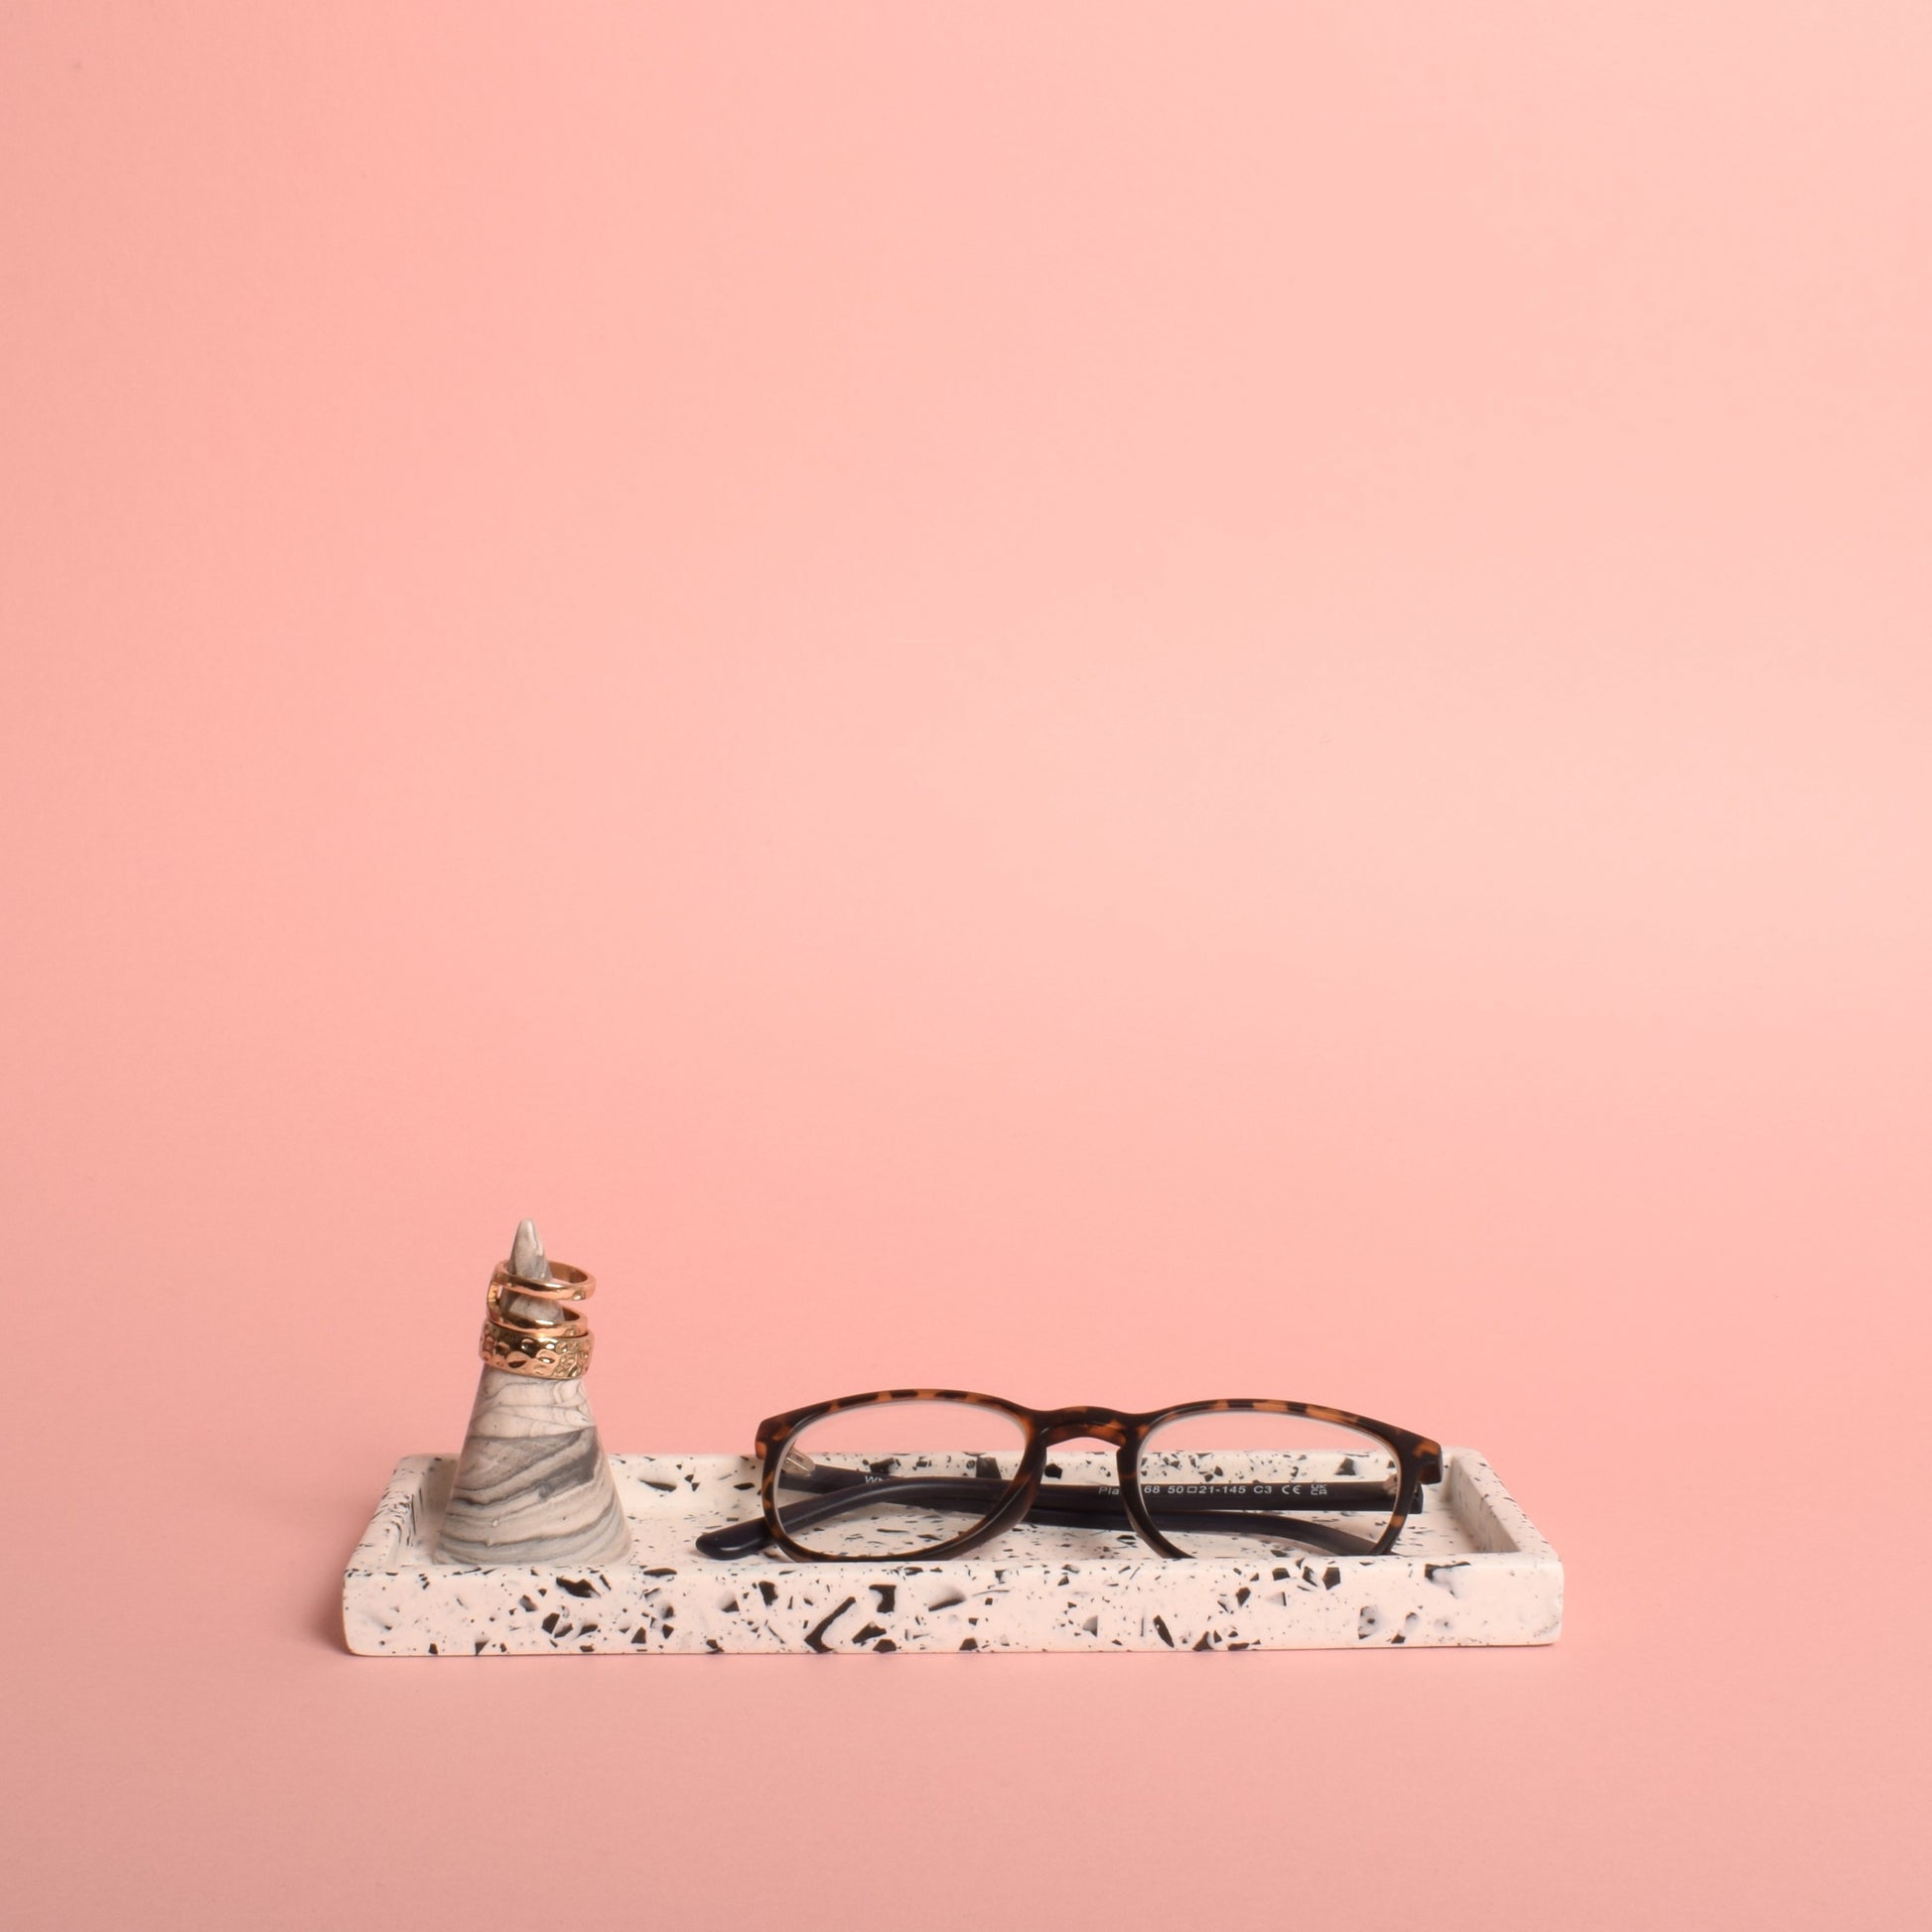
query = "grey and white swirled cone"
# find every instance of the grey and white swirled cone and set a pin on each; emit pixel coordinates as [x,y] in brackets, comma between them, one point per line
[533,1484]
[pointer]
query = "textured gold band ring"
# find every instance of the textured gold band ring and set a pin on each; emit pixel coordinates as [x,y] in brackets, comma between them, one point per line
[545,1354]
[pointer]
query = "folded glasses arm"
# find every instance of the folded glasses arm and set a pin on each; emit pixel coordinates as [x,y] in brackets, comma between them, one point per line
[1064,1505]
[839,1498]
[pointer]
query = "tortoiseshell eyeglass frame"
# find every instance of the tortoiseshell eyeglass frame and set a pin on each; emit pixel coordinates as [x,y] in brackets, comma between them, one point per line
[1418,1461]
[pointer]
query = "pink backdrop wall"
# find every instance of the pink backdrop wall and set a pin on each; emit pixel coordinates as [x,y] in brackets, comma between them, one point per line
[1242,693]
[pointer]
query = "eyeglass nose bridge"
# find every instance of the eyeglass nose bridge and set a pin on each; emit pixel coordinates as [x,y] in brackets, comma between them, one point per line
[1070,1425]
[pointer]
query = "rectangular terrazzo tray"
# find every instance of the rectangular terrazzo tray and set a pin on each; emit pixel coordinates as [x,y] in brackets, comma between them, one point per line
[1469,1570]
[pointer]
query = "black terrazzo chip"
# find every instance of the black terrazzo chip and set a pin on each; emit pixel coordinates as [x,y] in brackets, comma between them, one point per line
[815,1637]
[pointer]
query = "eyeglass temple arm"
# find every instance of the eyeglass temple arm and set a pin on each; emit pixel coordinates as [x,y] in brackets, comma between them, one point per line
[1065,1505]
[1103,1497]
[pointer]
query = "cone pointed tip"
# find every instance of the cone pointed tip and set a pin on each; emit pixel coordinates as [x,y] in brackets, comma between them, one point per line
[528,1260]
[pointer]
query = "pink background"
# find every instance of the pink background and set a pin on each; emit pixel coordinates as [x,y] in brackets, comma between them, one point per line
[1105,701]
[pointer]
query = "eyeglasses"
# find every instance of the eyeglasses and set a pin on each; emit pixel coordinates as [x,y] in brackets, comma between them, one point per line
[934,1472]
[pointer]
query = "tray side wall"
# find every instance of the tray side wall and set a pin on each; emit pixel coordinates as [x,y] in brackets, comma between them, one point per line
[1506,1590]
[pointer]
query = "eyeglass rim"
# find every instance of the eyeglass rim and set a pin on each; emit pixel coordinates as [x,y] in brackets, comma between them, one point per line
[1418,1461]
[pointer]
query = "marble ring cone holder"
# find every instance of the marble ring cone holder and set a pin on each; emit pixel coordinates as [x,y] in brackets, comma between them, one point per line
[532,1485]
[1469,1570]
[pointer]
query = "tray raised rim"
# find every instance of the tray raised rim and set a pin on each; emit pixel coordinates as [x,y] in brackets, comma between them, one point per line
[1508,1586]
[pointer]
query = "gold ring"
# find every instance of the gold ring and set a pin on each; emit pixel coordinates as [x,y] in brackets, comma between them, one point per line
[569,1324]
[566,1284]
[549,1355]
